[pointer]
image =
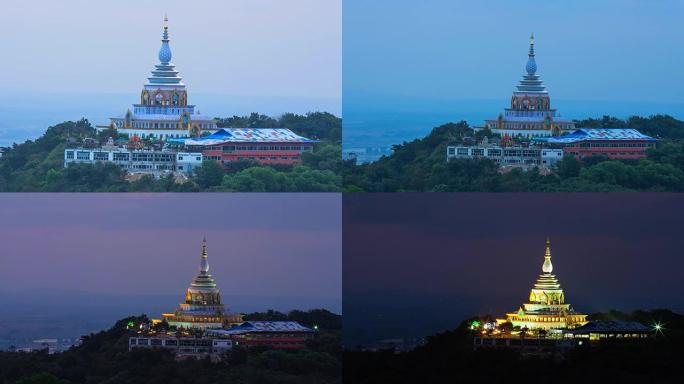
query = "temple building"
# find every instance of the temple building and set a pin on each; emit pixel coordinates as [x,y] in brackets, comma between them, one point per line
[202,307]
[611,143]
[546,308]
[163,110]
[163,114]
[260,145]
[530,114]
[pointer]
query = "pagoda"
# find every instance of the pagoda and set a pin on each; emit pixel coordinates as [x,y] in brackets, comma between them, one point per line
[202,307]
[546,308]
[163,111]
[530,114]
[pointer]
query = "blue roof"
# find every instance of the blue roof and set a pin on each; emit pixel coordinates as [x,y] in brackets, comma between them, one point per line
[583,134]
[246,135]
[262,326]
[611,326]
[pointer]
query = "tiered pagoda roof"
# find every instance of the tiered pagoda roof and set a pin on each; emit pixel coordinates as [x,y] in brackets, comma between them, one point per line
[546,308]
[531,82]
[164,73]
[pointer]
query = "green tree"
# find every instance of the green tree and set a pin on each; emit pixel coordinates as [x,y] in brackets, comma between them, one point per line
[210,174]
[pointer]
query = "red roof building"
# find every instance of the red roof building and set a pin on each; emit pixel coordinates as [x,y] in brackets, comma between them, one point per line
[613,143]
[261,145]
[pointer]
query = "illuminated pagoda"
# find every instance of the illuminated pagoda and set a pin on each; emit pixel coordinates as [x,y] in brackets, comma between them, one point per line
[163,111]
[530,114]
[202,308]
[546,308]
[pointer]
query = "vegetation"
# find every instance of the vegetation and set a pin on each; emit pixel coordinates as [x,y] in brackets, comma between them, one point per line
[104,358]
[449,358]
[420,165]
[39,165]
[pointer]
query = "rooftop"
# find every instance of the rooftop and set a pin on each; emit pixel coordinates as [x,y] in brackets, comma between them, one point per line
[611,326]
[273,135]
[262,326]
[601,134]
[165,117]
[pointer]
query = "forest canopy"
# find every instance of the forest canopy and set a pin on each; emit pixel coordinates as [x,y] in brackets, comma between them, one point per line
[38,165]
[420,165]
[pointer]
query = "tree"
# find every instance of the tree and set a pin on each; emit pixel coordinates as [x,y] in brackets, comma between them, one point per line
[568,167]
[210,174]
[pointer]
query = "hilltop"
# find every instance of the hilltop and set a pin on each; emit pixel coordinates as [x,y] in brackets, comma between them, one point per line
[38,165]
[104,358]
[449,357]
[420,165]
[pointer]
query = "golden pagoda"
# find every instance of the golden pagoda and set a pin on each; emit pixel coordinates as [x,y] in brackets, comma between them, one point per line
[202,307]
[546,308]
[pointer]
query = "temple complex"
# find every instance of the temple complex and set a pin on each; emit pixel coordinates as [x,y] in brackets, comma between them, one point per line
[530,114]
[163,110]
[163,115]
[546,308]
[202,307]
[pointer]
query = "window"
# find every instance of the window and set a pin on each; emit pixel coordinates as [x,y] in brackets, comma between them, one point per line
[70,154]
[83,155]
[121,156]
[101,156]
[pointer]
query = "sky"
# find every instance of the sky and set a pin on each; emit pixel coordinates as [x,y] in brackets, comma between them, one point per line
[586,50]
[424,262]
[76,59]
[264,48]
[262,245]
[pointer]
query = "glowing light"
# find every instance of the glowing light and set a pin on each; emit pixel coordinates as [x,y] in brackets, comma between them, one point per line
[658,328]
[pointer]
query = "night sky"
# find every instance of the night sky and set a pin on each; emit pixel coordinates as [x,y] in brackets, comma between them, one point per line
[268,245]
[429,260]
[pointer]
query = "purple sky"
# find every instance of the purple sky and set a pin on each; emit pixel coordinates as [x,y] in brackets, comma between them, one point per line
[278,245]
[609,251]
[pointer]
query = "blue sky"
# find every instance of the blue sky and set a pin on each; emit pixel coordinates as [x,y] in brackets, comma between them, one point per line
[266,48]
[626,50]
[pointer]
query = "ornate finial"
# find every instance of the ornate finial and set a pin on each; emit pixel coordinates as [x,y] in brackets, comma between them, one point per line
[204,264]
[165,35]
[547,267]
[165,50]
[531,66]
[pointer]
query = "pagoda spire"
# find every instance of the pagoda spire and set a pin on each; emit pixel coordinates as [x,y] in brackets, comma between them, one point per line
[547,267]
[165,50]
[531,66]
[204,263]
